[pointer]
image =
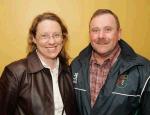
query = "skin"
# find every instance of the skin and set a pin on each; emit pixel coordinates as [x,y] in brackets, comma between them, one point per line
[104,35]
[48,50]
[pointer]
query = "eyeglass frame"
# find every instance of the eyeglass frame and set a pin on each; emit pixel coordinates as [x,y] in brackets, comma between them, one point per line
[46,37]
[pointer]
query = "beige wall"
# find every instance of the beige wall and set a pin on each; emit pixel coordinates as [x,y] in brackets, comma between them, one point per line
[17,15]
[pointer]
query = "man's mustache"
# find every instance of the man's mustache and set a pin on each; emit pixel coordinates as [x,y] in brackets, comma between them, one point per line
[102,41]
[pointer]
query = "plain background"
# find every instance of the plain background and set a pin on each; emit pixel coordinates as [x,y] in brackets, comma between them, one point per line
[16,17]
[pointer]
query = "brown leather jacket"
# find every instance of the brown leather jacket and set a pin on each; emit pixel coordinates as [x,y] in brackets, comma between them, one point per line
[26,88]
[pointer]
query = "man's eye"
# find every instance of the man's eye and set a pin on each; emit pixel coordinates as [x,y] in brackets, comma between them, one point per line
[95,30]
[108,29]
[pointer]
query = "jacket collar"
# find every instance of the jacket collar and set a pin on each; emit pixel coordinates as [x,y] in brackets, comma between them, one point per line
[128,56]
[33,62]
[85,54]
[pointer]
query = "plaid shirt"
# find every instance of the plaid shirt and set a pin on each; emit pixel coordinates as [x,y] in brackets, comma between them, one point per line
[98,72]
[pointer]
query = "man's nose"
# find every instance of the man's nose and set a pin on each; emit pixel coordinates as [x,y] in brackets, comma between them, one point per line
[101,34]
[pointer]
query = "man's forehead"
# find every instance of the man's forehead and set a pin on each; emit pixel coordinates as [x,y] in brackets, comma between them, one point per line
[103,20]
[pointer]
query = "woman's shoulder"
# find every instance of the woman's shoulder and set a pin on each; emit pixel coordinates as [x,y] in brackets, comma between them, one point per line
[18,65]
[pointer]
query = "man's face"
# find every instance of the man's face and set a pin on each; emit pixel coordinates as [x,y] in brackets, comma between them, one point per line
[104,34]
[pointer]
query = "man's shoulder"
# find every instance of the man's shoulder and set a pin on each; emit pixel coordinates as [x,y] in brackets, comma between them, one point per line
[85,53]
[144,65]
[143,60]
[75,61]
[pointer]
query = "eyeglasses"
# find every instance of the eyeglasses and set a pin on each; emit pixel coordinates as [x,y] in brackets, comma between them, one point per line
[46,37]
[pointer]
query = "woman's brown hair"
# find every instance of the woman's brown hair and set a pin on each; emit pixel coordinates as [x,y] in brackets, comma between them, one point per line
[33,29]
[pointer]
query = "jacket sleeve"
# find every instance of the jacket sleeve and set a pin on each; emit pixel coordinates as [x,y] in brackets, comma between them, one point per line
[8,92]
[145,99]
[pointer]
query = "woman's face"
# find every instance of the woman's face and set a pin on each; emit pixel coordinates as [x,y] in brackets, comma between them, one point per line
[48,39]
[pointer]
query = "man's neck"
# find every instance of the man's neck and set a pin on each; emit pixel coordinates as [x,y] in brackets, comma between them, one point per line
[100,58]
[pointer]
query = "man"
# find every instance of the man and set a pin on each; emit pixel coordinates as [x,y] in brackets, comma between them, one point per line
[109,77]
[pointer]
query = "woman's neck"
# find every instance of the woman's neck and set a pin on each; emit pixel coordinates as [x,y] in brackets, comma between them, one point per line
[51,62]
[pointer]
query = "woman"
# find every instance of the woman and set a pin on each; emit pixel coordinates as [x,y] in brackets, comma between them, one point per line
[40,84]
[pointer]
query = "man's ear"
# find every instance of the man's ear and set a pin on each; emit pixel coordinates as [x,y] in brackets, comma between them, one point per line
[119,33]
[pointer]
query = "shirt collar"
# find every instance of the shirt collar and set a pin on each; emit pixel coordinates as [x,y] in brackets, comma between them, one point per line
[46,66]
[112,58]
